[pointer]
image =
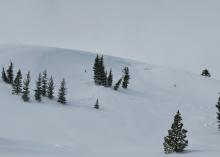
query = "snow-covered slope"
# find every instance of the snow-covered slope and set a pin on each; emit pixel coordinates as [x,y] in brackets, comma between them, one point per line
[130,123]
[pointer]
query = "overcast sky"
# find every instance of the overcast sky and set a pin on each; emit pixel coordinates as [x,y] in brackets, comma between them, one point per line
[182,34]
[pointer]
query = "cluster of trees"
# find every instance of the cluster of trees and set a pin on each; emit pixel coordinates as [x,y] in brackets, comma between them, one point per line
[44,87]
[175,141]
[103,78]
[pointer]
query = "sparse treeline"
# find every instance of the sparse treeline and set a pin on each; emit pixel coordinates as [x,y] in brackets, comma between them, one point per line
[44,87]
[103,78]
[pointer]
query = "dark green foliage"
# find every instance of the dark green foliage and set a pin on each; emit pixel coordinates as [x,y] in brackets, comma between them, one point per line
[38,90]
[126,77]
[96,70]
[176,139]
[218,113]
[100,77]
[50,89]
[96,106]
[206,73]
[26,92]
[4,77]
[44,83]
[117,85]
[17,83]
[10,74]
[218,107]
[109,79]
[105,80]
[62,92]
[102,72]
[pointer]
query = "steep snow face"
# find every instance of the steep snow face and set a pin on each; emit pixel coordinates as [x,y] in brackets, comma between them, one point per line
[130,122]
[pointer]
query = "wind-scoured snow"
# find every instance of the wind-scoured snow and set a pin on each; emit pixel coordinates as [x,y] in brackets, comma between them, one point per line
[130,123]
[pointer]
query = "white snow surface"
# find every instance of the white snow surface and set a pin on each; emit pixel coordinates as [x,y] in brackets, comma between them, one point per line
[130,123]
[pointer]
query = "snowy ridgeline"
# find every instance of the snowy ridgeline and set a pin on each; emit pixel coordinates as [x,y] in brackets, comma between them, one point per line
[131,122]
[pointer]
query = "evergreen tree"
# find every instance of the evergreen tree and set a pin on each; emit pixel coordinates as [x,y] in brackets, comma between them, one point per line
[26,92]
[117,85]
[44,83]
[218,113]
[38,90]
[100,77]
[17,83]
[96,106]
[62,92]
[10,74]
[126,78]
[50,90]
[206,73]
[218,107]
[102,72]
[176,139]
[96,70]
[105,81]
[4,77]
[110,79]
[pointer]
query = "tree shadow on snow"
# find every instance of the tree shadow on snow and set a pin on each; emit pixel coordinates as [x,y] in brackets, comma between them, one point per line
[191,151]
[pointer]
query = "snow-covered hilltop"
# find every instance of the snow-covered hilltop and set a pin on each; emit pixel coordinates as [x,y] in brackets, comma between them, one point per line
[130,122]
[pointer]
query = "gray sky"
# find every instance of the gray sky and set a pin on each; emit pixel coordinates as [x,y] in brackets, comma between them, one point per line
[182,34]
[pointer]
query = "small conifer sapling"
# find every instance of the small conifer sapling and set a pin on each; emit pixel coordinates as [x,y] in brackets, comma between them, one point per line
[117,85]
[96,106]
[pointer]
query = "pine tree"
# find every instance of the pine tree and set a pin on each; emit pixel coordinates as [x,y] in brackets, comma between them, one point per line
[38,90]
[50,90]
[4,77]
[96,70]
[102,72]
[44,83]
[10,74]
[126,78]
[176,139]
[17,83]
[117,85]
[218,113]
[62,92]
[100,76]
[109,79]
[206,73]
[96,106]
[218,107]
[105,81]
[26,92]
